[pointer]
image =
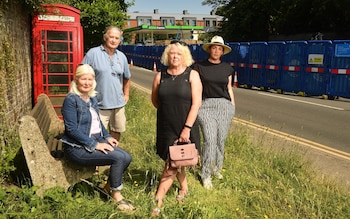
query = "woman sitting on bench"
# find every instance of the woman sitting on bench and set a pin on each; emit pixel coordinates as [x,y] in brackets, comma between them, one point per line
[85,140]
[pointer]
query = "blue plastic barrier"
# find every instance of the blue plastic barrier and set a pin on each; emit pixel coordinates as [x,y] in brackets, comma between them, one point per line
[231,57]
[256,64]
[242,63]
[202,55]
[340,70]
[293,66]
[138,56]
[315,67]
[194,48]
[274,64]
[157,54]
[317,72]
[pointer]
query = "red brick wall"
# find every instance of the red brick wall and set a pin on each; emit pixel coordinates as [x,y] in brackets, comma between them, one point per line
[15,69]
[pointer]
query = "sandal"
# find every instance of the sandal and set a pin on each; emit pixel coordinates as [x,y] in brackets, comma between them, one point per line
[155,212]
[181,198]
[125,205]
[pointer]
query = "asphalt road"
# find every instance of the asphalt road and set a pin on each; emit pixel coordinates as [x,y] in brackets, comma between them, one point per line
[319,121]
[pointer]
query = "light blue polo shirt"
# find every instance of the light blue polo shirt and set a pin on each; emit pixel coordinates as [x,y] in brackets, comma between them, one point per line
[110,73]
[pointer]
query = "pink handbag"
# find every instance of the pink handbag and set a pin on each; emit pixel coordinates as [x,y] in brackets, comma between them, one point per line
[183,155]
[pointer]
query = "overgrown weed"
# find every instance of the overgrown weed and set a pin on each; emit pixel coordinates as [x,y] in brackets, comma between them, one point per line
[257,183]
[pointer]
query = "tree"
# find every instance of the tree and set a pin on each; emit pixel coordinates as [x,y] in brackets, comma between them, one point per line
[96,15]
[248,20]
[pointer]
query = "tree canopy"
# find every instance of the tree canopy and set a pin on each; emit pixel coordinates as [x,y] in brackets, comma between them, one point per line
[95,15]
[254,20]
[244,20]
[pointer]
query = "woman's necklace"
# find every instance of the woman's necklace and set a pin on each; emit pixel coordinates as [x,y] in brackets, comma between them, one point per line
[173,76]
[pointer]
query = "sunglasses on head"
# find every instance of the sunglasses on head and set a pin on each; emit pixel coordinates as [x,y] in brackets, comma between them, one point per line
[182,43]
[80,64]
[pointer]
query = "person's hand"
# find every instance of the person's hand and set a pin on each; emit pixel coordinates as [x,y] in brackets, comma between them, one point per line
[104,147]
[113,142]
[185,135]
[126,98]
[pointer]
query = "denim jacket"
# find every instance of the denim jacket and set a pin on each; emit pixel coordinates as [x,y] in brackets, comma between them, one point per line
[77,122]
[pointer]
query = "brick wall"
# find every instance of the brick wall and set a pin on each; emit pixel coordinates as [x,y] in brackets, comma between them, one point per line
[15,59]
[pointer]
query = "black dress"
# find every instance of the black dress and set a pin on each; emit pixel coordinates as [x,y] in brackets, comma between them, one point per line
[175,100]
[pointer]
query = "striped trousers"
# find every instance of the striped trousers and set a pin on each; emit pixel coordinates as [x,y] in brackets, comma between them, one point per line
[214,117]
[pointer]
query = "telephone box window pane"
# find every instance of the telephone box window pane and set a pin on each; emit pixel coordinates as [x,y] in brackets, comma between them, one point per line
[57,35]
[58,57]
[62,47]
[58,68]
[58,80]
[71,68]
[58,90]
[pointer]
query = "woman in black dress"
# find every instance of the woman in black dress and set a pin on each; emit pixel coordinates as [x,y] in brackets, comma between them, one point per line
[177,95]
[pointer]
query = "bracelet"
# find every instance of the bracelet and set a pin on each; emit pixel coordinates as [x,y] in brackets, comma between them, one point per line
[187,126]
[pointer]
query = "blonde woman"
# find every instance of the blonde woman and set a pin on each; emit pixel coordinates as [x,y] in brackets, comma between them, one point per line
[86,141]
[177,96]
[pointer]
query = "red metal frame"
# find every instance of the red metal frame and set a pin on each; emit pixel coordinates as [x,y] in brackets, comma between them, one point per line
[57,37]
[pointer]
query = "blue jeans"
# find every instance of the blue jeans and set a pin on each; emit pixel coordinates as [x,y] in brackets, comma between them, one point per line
[118,159]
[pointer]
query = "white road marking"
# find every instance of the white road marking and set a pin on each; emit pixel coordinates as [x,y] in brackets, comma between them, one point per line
[302,141]
[300,101]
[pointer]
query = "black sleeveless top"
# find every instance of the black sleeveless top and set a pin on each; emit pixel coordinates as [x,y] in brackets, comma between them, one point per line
[175,100]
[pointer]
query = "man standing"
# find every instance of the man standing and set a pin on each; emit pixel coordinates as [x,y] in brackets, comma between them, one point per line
[113,80]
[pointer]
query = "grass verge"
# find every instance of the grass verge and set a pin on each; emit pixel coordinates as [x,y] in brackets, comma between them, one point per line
[257,183]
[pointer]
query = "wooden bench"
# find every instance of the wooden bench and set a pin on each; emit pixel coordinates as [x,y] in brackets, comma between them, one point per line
[40,134]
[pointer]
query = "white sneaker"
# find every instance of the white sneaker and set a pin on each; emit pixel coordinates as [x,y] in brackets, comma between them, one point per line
[219,176]
[207,183]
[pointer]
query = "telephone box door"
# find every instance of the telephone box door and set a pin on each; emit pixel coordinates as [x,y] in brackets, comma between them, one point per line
[57,50]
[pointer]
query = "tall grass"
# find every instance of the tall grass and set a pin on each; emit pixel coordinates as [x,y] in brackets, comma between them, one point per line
[257,183]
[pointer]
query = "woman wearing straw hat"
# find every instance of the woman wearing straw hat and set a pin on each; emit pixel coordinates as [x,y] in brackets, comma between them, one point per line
[217,110]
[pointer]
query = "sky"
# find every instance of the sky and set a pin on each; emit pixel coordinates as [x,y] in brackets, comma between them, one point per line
[170,6]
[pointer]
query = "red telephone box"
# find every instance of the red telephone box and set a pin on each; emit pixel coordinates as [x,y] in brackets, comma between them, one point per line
[57,37]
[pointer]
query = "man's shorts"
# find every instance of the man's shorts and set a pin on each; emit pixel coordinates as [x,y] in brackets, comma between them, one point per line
[113,119]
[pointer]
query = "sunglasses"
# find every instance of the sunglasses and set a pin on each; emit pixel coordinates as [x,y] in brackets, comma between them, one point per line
[182,43]
[83,64]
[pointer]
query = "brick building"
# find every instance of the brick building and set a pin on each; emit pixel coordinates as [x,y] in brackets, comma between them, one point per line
[158,28]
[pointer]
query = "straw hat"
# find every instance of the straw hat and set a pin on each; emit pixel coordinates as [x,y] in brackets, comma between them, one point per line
[216,40]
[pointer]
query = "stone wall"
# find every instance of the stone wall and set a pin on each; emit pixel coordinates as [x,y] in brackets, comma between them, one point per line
[15,64]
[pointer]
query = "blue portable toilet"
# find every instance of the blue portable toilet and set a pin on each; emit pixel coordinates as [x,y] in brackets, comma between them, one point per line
[256,64]
[293,66]
[274,64]
[242,63]
[316,78]
[339,84]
